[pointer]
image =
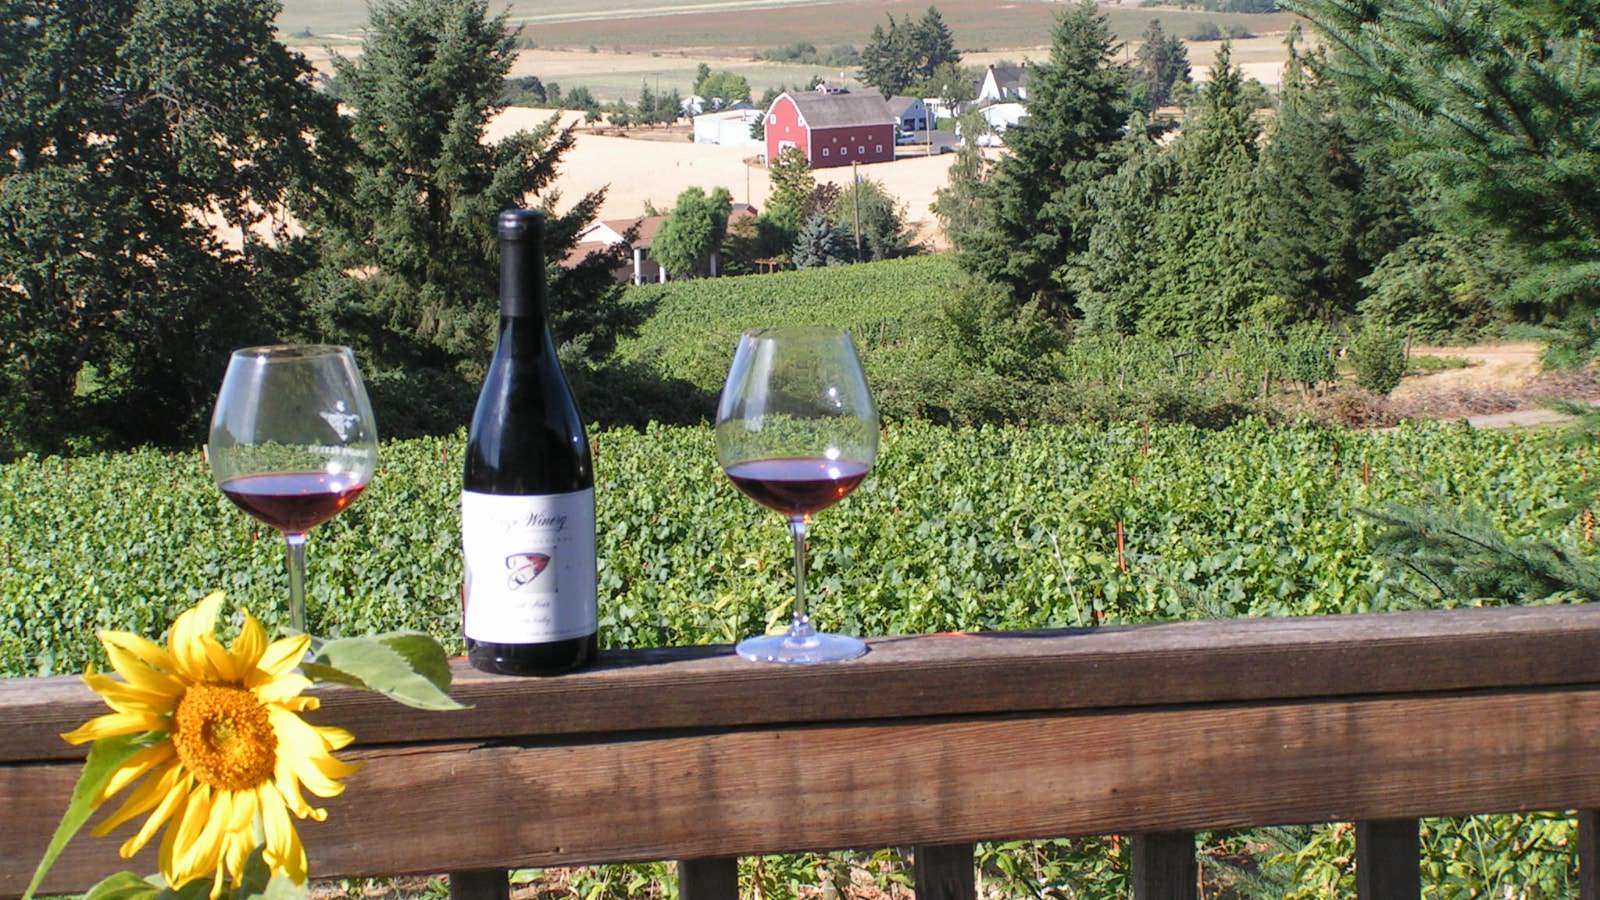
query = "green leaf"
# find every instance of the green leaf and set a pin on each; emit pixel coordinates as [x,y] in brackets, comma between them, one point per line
[407,667]
[105,757]
[122,886]
[197,889]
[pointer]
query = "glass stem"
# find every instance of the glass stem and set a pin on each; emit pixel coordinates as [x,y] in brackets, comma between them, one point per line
[297,581]
[800,624]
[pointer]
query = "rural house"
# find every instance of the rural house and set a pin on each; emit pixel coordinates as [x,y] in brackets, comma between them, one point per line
[609,232]
[831,129]
[1004,84]
[910,114]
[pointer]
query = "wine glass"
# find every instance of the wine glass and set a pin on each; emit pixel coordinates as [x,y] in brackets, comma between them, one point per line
[797,431]
[293,442]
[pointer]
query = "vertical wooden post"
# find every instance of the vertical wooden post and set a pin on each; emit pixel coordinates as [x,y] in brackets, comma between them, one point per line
[1164,866]
[480,884]
[708,879]
[1388,860]
[944,872]
[1588,854]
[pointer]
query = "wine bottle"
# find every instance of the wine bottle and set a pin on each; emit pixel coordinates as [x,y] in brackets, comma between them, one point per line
[527,499]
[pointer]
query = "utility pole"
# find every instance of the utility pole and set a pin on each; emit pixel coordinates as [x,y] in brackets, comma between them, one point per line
[855,197]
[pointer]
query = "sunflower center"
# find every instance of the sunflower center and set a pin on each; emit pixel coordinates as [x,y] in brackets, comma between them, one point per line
[222,735]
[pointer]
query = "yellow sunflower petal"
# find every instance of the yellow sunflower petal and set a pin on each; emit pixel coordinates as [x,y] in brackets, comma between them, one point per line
[176,785]
[200,833]
[124,697]
[220,660]
[143,799]
[289,787]
[335,737]
[130,659]
[281,656]
[249,645]
[282,689]
[114,725]
[334,767]
[138,648]
[299,704]
[135,767]
[188,653]
[284,851]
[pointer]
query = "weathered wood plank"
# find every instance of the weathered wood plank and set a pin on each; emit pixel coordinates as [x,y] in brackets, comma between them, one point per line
[481,884]
[1589,854]
[1388,860]
[944,872]
[749,791]
[708,879]
[934,675]
[1164,866]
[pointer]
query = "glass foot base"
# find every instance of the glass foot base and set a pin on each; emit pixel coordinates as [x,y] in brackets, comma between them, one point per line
[801,649]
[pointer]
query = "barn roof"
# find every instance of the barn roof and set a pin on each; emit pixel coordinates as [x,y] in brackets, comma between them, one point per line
[841,110]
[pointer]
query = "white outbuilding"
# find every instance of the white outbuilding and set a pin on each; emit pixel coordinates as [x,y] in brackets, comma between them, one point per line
[730,128]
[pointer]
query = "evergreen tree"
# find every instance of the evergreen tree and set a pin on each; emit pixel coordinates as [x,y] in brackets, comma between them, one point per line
[877,60]
[1205,273]
[962,204]
[701,73]
[1494,104]
[693,231]
[1113,277]
[1315,222]
[649,108]
[820,243]
[419,223]
[1039,195]
[936,46]
[119,121]
[1161,63]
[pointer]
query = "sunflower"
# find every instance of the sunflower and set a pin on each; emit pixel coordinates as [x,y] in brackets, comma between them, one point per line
[233,752]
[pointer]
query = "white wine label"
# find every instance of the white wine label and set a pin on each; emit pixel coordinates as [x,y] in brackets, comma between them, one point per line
[530,569]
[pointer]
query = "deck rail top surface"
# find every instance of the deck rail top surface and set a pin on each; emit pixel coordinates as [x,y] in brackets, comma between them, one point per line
[708,687]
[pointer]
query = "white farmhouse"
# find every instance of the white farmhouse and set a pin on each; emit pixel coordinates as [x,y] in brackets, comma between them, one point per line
[1004,84]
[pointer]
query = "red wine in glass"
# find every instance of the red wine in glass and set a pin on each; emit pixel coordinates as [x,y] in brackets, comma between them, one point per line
[796,432]
[292,502]
[797,486]
[292,443]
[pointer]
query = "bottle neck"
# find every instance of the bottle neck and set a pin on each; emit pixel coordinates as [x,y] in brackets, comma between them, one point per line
[522,287]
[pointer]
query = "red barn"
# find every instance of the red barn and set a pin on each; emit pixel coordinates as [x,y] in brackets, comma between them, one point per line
[831,129]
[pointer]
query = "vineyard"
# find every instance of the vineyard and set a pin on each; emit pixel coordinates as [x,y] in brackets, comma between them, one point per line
[956,529]
[939,348]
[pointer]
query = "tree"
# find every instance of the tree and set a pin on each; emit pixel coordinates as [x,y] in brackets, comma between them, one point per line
[1112,277]
[723,87]
[1328,216]
[1161,62]
[410,262]
[935,46]
[953,84]
[1494,105]
[693,231]
[820,243]
[792,184]
[880,66]
[882,217]
[1039,193]
[962,204]
[1205,272]
[118,122]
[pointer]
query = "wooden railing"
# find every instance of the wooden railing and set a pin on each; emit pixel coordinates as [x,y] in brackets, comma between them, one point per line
[934,742]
